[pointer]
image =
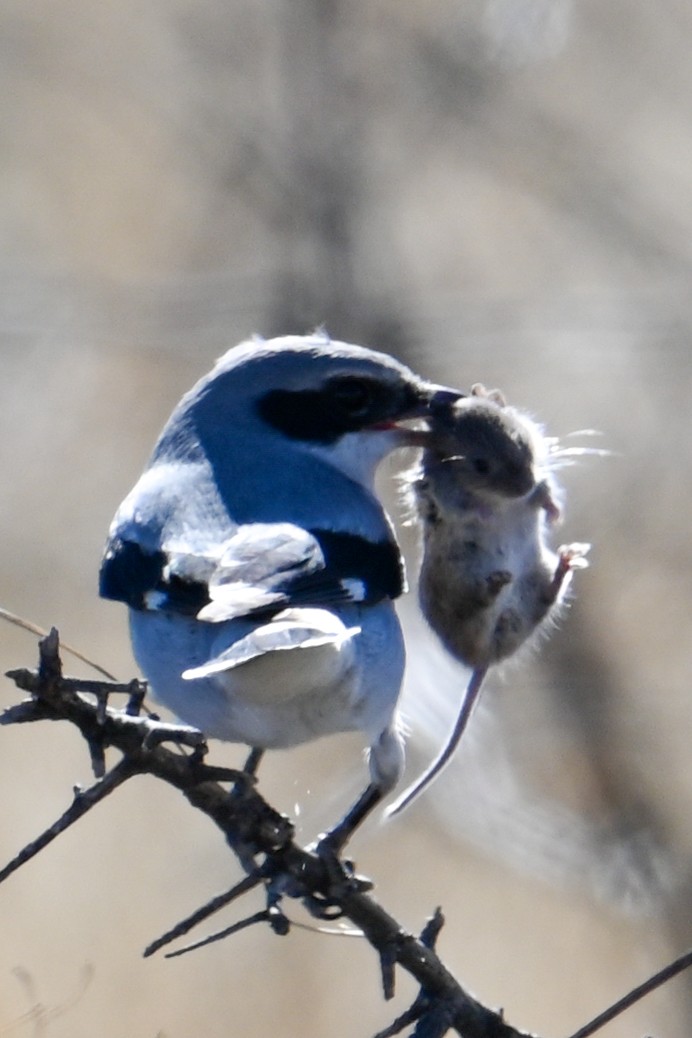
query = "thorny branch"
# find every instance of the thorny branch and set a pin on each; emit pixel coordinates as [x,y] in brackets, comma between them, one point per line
[260,837]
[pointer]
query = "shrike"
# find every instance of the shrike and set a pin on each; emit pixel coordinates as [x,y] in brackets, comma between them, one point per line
[258,565]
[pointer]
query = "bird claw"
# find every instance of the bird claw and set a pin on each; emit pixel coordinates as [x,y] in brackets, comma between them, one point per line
[341,880]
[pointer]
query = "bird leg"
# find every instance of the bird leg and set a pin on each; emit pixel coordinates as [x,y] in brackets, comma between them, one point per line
[331,843]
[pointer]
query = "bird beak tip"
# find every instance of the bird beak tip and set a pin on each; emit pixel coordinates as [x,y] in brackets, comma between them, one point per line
[443,396]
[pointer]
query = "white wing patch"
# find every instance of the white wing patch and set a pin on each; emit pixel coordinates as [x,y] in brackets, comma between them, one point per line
[257,567]
[290,629]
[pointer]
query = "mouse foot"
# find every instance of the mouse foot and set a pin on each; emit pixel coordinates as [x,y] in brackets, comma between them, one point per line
[570,557]
[488,587]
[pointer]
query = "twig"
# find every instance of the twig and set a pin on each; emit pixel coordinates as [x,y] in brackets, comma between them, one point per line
[243,924]
[421,1005]
[84,800]
[252,827]
[672,970]
[212,906]
[32,628]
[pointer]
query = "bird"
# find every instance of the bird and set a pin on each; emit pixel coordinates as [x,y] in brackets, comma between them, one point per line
[259,567]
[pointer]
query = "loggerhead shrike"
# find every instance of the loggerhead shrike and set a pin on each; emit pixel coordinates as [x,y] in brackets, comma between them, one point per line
[259,567]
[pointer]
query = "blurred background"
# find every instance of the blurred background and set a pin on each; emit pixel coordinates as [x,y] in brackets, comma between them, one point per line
[494,190]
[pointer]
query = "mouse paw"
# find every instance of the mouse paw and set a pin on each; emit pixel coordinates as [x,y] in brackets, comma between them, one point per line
[496,580]
[573,556]
[542,497]
[570,557]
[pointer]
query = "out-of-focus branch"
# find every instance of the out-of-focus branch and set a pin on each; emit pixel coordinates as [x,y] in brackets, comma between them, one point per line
[260,836]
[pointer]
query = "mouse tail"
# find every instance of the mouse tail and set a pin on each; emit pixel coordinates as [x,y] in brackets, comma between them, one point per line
[442,760]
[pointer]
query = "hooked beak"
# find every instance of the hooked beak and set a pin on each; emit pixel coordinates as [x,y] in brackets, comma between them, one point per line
[442,398]
[432,399]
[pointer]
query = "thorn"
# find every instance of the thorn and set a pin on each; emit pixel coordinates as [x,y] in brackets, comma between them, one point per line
[97,754]
[387,963]
[432,928]
[258,917]
[216,903]
[136,696]
[83,801]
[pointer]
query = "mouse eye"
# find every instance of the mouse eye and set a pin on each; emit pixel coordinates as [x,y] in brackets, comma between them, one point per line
[352,396]
[481,466]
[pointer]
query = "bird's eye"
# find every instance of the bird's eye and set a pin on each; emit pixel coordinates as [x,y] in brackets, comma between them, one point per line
[353,396]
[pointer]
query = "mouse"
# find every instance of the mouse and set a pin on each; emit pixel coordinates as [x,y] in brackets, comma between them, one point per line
[487,498]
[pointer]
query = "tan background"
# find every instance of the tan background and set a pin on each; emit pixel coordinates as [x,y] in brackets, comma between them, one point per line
[496,190]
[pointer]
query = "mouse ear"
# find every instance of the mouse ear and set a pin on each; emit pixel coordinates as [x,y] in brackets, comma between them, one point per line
[496,396]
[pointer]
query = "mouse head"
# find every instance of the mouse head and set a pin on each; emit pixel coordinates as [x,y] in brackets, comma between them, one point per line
[479,446]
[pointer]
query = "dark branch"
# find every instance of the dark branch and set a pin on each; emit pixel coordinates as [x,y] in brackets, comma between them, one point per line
[263,841]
